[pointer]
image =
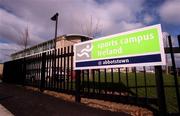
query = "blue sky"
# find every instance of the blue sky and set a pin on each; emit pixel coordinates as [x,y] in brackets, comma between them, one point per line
[111,16]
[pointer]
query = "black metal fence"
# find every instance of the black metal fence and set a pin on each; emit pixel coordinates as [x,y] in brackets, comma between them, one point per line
[156,88]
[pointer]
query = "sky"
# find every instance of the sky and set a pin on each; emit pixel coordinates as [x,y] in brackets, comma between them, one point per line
[75,16]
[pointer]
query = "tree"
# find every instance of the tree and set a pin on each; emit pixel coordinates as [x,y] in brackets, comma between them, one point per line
[92,28]
[24,42]
[166,45]
[24,39]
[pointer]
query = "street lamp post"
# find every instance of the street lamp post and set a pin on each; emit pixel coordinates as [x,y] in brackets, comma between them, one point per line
[55,18]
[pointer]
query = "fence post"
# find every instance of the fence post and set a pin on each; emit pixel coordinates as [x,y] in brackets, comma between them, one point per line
[174,71]
[160,91]
[43,68]
[78,82]
[179,40]
[23,71]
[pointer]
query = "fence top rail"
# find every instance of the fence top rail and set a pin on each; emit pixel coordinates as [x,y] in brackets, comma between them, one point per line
[175,50]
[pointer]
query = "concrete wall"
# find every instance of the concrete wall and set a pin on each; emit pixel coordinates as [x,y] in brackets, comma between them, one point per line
[62,42]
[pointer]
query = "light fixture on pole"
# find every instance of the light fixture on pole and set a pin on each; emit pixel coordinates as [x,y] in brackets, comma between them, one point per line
[55,18]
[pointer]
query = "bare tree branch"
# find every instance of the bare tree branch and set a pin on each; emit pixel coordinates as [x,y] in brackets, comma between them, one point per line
[24,39]
[92,27]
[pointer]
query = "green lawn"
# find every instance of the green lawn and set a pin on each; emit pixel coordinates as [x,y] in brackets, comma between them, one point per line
[150,80]
[170,93]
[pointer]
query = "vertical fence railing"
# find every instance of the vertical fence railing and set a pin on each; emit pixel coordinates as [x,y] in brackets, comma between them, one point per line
[136,86]
[178,37]
[72,72]
[127,82]
[54,70]
[145,84]
[78,81]
[43,70]
[160,91]
[175,72]
[58,76]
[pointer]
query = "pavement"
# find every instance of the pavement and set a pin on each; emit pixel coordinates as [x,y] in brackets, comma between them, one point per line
[4,111]
[16,100]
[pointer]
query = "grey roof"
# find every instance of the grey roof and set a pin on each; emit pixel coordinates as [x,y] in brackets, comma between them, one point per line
[66,36]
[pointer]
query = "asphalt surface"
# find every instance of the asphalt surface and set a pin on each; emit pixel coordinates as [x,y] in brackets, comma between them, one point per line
[23,102]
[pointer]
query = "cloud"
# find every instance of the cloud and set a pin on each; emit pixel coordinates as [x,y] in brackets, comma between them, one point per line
[10,25]
[114,17]
[148,19]
[13,26]
[73,14]
[6,49]
[169,12]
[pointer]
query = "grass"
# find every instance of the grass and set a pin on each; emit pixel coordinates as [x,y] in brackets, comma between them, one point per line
[130,80]
[170,93]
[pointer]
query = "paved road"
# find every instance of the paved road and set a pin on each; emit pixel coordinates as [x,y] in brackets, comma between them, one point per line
[22,102]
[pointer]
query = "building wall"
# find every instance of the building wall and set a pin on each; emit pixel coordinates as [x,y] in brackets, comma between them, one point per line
[62,42]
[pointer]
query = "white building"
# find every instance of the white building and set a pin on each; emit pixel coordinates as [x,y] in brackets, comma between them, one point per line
[61,42]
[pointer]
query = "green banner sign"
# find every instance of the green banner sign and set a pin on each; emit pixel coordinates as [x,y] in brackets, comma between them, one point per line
[139,42]
[122,45]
